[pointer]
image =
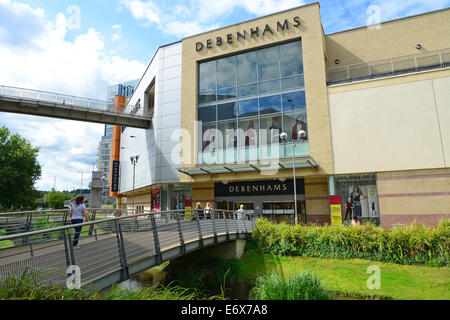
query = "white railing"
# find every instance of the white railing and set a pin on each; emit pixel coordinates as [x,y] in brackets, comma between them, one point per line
[389,67]
[61,100]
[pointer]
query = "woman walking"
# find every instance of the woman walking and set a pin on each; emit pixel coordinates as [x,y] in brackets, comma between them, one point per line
[77,214]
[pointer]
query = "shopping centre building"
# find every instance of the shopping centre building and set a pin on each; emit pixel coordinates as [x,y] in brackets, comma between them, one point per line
[365,115]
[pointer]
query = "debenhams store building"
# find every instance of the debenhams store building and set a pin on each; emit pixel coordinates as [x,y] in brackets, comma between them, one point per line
[365,116]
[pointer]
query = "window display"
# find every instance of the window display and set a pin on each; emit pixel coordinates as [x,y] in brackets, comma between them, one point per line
[359,197]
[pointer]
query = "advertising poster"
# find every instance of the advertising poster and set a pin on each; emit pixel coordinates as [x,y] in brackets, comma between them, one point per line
[372,201]
[336,210]
[187,206]
[156,196]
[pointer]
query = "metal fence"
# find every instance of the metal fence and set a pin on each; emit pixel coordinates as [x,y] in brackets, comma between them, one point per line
[389,67]
[27,221]
[112,244]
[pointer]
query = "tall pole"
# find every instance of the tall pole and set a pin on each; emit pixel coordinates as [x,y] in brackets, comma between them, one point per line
[132,201]
[295,182]
[81,187]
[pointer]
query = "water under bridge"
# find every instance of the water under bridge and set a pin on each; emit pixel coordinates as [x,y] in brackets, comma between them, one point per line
[114,246]
[55,105]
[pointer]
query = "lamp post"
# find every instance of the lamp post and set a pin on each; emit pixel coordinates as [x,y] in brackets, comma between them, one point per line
[284,136]
[134,161]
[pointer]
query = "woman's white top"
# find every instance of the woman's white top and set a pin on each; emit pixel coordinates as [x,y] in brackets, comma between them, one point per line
[77,211]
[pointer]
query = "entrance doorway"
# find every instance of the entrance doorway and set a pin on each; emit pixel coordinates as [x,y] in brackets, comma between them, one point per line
[283,211]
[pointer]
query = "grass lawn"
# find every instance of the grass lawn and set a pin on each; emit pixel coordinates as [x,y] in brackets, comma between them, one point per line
[349,277]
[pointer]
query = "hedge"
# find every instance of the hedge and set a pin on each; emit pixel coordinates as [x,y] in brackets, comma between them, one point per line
[413,244]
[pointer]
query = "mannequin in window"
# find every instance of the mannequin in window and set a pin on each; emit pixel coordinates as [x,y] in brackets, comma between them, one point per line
[250,135]
[356,197]
[299,125]
[275,130]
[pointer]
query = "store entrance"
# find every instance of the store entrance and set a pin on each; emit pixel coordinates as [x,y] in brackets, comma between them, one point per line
[249,207]
[283,211]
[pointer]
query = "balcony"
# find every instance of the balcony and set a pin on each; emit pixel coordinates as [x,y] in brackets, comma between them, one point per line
[246,154]
[389,67]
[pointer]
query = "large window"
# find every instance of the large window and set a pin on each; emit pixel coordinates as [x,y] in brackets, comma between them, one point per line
[247,100]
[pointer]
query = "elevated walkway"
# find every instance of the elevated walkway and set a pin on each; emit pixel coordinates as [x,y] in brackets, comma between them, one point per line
[54,105]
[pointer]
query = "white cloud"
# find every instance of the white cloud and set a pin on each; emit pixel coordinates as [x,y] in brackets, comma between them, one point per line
[197,16]
[117,35]
[35,54]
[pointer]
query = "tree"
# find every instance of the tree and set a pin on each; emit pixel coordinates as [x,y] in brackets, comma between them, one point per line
[56,199]
[19,170]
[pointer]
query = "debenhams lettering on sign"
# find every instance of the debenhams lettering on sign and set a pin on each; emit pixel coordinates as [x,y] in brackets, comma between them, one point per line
[257,188]
[247,35]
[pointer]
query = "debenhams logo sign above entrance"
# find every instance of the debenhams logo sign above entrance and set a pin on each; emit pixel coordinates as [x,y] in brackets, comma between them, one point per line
[255,188]
[248,34]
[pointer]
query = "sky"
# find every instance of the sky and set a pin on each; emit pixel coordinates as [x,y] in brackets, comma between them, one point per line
[79,47]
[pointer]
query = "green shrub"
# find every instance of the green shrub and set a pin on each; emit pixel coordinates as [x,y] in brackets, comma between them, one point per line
[413,244]
[303,286]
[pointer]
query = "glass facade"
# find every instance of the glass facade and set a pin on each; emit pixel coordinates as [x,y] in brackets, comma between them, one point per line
[247,100]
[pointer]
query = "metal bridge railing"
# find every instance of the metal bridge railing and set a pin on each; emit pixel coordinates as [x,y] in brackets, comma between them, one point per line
[26,221]
[389,67]
[112,244]
[64,100]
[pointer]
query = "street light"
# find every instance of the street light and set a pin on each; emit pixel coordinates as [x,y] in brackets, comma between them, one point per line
[284,136]
[134,161]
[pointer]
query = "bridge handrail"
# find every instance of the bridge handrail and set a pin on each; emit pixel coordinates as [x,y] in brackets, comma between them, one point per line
[146,214]
[2,214]
[90,102]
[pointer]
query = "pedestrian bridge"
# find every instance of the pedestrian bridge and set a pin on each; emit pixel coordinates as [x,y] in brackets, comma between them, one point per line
[114,248]
[55,105]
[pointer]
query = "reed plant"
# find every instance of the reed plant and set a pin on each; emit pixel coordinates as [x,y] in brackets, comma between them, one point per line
[28,286]
[301,286]
[413,244]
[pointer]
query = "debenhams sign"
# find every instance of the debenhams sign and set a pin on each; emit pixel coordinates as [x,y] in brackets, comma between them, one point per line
[267,187]
[248,34]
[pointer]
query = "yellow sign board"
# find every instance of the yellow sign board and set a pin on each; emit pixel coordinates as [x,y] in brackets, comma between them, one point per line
[336,216]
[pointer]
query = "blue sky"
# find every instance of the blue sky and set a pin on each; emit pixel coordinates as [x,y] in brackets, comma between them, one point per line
[80,46]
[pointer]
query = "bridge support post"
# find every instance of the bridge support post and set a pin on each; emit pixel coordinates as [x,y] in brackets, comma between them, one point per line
[213,212]
[72,255]
[226,224]
[28,226]
[123,259]
[200,235]
[180,231]
[156,239]
[66,248]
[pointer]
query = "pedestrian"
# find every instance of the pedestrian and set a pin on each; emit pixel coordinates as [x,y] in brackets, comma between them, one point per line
[208,211]
[241,212]
[77,214]
[198,212]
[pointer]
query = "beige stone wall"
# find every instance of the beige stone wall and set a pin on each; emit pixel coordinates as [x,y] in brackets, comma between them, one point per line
[203,193]
[421,195]
[317,203]
[392,39]
[140,200]
[401,124]
[311,33]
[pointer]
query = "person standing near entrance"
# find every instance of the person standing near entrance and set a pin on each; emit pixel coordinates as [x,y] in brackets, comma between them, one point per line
[77,214]
[241,212]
